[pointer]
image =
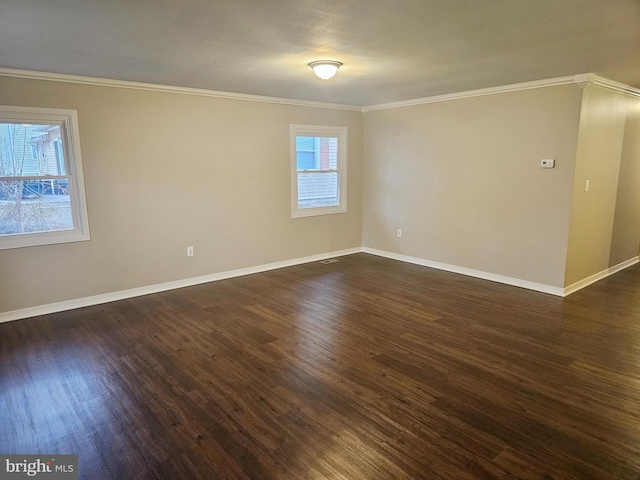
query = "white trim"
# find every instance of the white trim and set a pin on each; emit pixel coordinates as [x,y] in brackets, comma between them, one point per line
[585,282]
[187,282]
[581,80]
[515,282]
[341,133]
[584,79]
[67,120]
[591,79]
[516,87]
[162,287]
[107,82]
[617,86]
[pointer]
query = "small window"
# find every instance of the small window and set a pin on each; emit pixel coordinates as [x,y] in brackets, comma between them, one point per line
[42,197]
[318,170]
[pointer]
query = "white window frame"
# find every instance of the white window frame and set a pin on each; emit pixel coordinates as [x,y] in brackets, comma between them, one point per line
[68,122]
[319,131]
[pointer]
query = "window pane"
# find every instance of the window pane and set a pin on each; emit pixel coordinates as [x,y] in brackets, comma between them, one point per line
[318,190]
[31,206]
[328,153]
[30,150]
[305,144]
[306,160]
[317,153]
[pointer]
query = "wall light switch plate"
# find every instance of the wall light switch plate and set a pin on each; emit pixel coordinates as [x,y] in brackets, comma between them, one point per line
[547,163]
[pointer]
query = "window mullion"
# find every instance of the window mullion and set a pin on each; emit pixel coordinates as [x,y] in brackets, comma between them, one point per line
[35,177]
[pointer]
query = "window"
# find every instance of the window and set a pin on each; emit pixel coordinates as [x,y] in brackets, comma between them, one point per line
[41,186]
[318,170]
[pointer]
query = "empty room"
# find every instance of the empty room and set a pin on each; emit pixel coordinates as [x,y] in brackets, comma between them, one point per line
[342,239]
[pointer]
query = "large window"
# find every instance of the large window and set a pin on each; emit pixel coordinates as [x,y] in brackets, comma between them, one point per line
[41,186]
[318,170]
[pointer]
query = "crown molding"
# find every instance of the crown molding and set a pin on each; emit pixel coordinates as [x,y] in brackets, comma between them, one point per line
[581,80]
[592,79]
[584,79]
[516,87]
[152,87]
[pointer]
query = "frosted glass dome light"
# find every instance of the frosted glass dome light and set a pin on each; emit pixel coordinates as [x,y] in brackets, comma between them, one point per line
[325,69]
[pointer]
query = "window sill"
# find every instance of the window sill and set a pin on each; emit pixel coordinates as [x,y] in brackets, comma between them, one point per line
[313,212]
[37,239]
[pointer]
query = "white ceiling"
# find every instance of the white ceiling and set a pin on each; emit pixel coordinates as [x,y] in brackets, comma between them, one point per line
[392,50]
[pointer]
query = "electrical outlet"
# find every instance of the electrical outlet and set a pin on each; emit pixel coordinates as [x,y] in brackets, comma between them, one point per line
[399,232]
[189,251]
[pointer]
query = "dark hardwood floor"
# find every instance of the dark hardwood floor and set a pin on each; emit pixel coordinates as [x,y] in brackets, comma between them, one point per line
[363,369]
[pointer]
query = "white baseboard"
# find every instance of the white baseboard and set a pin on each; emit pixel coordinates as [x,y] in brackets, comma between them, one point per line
[599,276]
[187,282]
[162,287]
[516,282]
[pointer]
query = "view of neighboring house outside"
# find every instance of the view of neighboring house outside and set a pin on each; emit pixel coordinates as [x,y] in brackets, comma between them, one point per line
[34,194]
[317,154]
[30,150]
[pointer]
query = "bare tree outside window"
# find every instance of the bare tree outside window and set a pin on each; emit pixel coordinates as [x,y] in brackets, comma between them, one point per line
[34,185]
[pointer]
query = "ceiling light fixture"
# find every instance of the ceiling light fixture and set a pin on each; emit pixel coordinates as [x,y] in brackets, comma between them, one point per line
[325,69]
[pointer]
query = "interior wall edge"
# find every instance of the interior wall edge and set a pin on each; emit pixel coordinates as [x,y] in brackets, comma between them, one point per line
[585,282]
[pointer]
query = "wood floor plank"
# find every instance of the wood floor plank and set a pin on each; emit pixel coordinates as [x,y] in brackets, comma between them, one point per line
[360,369]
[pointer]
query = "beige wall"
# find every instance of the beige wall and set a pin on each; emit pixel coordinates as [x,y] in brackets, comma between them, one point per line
[163,171]
[605,221]
[625,241]
[463,180]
